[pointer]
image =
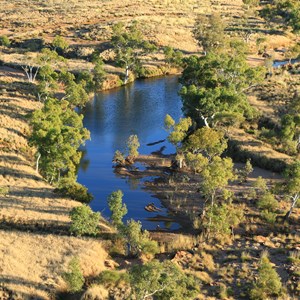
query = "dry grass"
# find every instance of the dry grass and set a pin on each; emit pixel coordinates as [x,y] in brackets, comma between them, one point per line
[32,256]
[32,263]
[167,22]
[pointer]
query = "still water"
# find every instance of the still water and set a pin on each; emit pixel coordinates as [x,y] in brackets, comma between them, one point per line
[111,117]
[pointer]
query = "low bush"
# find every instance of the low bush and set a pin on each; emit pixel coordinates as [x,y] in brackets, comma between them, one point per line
[112,277]
[4,41]
[4,190]
[267,202]
[84,220]
[74,277]
[268,283]
[74,190]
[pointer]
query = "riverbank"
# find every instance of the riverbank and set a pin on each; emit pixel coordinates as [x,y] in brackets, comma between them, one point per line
[36,246]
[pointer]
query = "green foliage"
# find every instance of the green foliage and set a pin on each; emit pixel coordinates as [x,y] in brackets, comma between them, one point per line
[74,277]
[4,190]
[288,10]
[206,141]
[76,191]
[86,79]
[99,74]
[269,216]
[196,162]
[169,122]
[268,283]
[119,158]
[292,186]
[84,220]
[47,84]
[57,132]
[117,208]
[290,127]
[292,175]
[113,277]
[59,43]
[139,241]
[66,77]
[129,46]
[76,94]
[216,177]
[267,202]
[244,173]
[132,146]
[48,56]
[251,2]
[209,32]
[260,184]
[179,130]
[215,84]
[173,57]
[220,220]
[163,281]
[4,41]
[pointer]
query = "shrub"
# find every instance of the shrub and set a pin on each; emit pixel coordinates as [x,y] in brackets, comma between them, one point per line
[222,219]
[268,283]
[139,241]
[294,257]
[245,256]
[162,281]
[74,190]
[132,145]
[4,190]
[59,43]
[84,220]
[74,277]
[117,207]
[4,41]
[244,173]
[112,277]
[119,158]
[269,216]
[267,202]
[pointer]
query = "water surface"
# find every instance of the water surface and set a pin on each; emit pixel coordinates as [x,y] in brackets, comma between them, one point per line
[111,117]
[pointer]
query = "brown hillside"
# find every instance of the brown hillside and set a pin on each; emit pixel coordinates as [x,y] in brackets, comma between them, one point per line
[35,246]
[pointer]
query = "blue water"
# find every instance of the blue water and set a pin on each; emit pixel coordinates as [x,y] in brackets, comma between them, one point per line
[279,63]
[111,117]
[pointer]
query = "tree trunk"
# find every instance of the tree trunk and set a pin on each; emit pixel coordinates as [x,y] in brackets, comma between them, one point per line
[295,199]
[205,121]
[37,162]
[126,74]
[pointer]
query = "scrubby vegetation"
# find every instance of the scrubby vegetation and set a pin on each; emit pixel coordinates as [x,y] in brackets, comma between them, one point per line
[241,119]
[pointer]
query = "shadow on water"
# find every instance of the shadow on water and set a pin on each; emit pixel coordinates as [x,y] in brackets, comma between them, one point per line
[111,117]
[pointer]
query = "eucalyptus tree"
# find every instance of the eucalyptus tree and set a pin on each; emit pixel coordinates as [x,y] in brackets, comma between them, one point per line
[209,31]
[215,84]
[117,207]
[207,141]
[32,64]
[292,186]
[129,45]
[57,132]
[162,281]
[59,44]
[290,126]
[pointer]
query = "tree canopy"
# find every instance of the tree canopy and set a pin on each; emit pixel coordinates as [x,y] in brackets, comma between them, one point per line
[129,45]
[215,84]
[163,281]
[57,133]
[209,32]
